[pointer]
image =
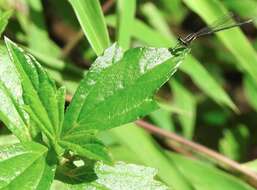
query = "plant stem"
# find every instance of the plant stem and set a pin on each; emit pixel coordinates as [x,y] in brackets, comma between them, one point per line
[80,34]
[220,160]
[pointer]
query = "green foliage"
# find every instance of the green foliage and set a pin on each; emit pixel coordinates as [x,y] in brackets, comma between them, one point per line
[119,176]
[41,97]
[235,142]
[185,101]
[92,22]
[4,20]
[250,89]
[204,176]
[234,39]
[11,99]
[25,166]
[39,107]
[50,143]
[155,156]
[137,177]
[191,67]
[123,176]
[126,13]
[201,175]
[118,99]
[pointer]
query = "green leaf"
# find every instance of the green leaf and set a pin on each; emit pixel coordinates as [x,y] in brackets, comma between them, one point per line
[156,20]
[176,11]
[234,143]
[11,101]
[4,18]
[8,140]
[201,77]
[39,91]
[24,166]
[206,82]
[36,31]
[60,96]
[91,19]
[250,89]
[234,40]
[191,66]
[127,176]
[86,145]
[123,176]
[62,72]
[144,33]
[111,93]
[126,12]
[185,101]
[162,118]
[246,8]
[138,142]
[204,176]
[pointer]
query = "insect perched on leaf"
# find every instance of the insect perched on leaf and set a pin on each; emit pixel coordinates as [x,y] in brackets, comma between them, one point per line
[224,23]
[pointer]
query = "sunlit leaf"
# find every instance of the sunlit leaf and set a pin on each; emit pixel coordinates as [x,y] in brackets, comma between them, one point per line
[123,176]
[91,19]
[11,101]
[24,167]
[39,91]
[119,88]
[126,12]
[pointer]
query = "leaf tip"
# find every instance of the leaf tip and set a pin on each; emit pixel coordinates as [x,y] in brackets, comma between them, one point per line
[8,42]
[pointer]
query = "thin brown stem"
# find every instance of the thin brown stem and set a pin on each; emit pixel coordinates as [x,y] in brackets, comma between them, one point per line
[178,148]
[80,34]
[222,161]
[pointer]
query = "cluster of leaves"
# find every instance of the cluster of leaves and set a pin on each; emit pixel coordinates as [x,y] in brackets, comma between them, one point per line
[65,145]
[110,95]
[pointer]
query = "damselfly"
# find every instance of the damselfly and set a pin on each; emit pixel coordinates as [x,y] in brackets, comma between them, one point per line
[224,23]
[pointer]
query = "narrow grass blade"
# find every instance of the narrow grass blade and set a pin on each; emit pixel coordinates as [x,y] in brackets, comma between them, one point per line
[36,31]
[186,101]
[126,12]
[4,17]
[250,89]
[235,142]
[162,118]
[91,19]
